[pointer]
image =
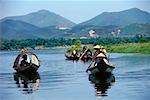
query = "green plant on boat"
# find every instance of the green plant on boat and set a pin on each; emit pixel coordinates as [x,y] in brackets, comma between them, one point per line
[76,46]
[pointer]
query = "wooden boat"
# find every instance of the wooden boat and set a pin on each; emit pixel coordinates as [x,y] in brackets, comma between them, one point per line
[101,69]
[70,57]
[32,63]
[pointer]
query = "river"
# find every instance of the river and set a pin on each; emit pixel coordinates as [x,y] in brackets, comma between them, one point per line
[61,79]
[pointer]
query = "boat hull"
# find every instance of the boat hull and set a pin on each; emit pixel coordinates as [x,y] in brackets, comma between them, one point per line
[106,69]
[69,57]
[102,78]
[29,69]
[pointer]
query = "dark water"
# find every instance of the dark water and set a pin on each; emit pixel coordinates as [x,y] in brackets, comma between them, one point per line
[60,79]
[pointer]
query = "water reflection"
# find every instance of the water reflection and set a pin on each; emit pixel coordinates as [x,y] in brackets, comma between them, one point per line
[27,82]
[102,83]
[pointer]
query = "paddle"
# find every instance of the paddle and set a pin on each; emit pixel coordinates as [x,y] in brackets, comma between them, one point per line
[89,66]
[83,54]
[93,58]
[108,58]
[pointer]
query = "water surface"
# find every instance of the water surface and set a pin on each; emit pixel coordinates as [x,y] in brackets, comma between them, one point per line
[60,79]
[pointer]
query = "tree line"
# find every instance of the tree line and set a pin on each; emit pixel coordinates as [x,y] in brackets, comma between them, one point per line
[52,42]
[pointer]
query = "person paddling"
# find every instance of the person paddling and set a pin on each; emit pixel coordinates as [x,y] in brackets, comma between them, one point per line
[103,50]
[97,51]
[100,60]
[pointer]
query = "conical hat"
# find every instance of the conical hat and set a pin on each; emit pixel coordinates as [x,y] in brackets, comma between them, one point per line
[100,55]
[97,47]
[101,47]
[104,51]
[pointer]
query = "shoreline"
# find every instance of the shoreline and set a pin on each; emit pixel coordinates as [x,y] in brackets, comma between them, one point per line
[139,48]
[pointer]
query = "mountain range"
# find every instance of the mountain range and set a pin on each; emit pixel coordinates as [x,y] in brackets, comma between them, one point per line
[43,18]
[46,24]
[121,18]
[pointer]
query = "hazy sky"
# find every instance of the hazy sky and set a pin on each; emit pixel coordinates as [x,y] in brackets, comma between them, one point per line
[74,10]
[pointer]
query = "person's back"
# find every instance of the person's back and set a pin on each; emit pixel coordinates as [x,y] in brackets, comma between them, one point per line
[95,54]
[103,50]
[100,60]
[97,51]
[74,53]
[24,62]
[97,61]
[84,48]
[89,53]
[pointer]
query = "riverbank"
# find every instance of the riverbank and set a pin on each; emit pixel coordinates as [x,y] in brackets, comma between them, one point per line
[143,48]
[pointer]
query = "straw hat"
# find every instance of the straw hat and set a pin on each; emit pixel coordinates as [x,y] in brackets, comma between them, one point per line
[97,47]
[104,51]
[102,47]
[100,55]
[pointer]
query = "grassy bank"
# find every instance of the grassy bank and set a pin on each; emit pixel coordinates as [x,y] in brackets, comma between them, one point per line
[143,48]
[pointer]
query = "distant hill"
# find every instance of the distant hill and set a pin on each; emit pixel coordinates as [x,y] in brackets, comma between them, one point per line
[121,18]
[45,24]
[43,18]
[100,30]
[14,29]
[136,29]
[128,30]
[11,29]
[130,22]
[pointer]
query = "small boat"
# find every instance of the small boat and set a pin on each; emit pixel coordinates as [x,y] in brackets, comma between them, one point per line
[87,58]
[101,65]
[101,69]
[71,57]
[26,62]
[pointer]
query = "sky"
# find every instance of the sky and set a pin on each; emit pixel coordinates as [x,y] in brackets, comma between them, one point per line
[75,10]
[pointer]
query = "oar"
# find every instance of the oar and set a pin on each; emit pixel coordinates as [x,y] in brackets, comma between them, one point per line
[89,66]
[93,58]
[83,54]
[108,56]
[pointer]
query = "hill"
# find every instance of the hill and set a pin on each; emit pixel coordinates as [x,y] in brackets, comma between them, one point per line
[12,29]
[43,18]
[45,24]
[130,22]
[121,18]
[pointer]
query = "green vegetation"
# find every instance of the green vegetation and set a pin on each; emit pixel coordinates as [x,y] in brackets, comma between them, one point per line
[120,44]
[76,46]
[131,48]
[33,43]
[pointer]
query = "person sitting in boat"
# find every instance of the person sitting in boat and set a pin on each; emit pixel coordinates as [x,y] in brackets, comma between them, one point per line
[22,50]
[97,51]
[89,53]
[103,50]
[84,48]
[24,62]
[74,53]
[100,61]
